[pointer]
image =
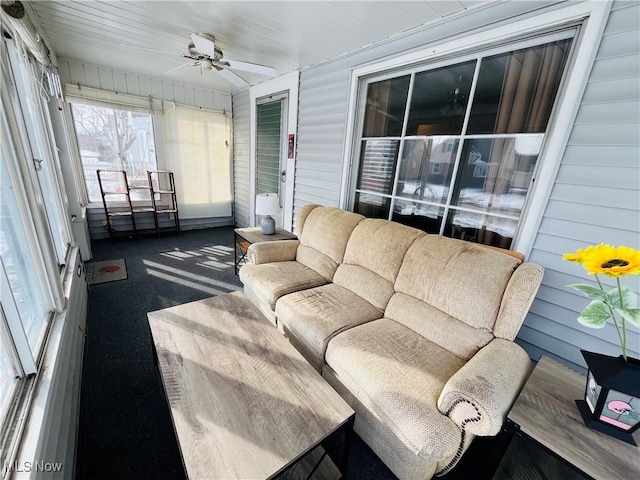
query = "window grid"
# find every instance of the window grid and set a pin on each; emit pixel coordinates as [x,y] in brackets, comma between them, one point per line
[456,179]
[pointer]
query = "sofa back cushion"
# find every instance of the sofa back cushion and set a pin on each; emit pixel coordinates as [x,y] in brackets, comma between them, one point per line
[372,259]
[324,237]
[464,280]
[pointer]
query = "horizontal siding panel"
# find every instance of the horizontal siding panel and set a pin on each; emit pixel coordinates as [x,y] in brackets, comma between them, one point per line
[614,113]
[563,349]
[624,43]
[584,233]
[329,193]
[619,90]
[608,217]
[536,352]
[625,155]
[331,145]
[542,312]
[558,246]
[322,176]
[316,182]
[612,177]
[319,161]
[616,67]
[306,196]
[624,19]
[309,82]
[95,76]
[323,116]
[595,195]
[606,134]
[326,97]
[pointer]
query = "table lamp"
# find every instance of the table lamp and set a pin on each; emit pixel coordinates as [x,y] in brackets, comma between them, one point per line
[267,204]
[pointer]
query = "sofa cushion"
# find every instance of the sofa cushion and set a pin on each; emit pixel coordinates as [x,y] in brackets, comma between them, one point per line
[270,281]
[311,318]
[399,374]
[373,257]
[464,280]
[324,237]
[435,325]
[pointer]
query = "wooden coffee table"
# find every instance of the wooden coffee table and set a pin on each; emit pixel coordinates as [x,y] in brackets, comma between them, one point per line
[244,402]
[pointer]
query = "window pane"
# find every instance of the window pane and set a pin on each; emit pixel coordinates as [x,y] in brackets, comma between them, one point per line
[268,146]
[35,117]
[378,165]
[516,90]
[372,206]
[426,169]
[439,100]
[481,228]
[494,174]
[417,215]
[112,139]
[18,262]
[386,103]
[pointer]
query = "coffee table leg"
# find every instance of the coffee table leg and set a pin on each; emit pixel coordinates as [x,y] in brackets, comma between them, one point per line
[338,444]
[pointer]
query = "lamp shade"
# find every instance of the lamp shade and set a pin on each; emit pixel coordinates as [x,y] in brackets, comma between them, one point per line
[267,204]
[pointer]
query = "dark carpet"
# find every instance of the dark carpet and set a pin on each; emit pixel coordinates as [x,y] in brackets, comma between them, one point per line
[125,425]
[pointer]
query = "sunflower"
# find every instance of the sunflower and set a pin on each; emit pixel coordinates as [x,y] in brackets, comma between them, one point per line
[611,261]
[579,255]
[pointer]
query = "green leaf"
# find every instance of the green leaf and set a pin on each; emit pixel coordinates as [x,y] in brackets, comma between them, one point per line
[589,291]
[629,298]
[594,315]
[631,315]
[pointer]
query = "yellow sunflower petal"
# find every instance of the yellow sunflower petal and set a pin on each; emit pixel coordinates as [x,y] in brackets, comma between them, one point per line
[612,261]
[578,256]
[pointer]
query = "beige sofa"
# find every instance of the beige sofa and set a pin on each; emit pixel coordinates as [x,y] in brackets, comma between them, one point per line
[415,331]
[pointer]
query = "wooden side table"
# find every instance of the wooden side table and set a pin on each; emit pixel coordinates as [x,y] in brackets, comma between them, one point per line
[546,415]
[243,237]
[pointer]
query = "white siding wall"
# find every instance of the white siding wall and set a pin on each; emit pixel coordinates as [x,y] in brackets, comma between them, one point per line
[596,196]
[241,157]
[104,78]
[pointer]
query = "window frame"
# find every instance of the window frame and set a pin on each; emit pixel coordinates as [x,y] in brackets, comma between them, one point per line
[36,128]
[588,18]
[98,204]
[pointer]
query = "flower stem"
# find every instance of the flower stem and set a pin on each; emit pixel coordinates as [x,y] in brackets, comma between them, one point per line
[624,325]
[623,343]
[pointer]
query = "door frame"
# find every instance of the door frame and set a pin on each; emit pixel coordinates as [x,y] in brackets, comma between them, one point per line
[284,84]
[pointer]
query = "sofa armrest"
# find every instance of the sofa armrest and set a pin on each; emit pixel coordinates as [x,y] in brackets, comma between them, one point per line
[479,395]
[267,252]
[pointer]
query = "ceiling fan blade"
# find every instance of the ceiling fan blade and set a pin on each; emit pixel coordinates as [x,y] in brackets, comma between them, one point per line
[237,80]
[252,68]
[203,45]
[178,68]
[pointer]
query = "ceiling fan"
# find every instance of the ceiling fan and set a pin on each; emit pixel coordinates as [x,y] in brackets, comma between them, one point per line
[204,53]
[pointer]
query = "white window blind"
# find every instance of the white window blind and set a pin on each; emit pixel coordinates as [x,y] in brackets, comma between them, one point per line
[197,150]
[103,98]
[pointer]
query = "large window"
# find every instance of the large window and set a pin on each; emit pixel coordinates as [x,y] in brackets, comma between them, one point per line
[34,230]
[114,139]
[452,150]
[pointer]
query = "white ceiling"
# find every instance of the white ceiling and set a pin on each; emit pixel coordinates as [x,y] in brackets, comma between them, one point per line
[287,35]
